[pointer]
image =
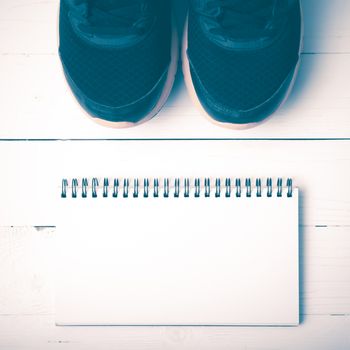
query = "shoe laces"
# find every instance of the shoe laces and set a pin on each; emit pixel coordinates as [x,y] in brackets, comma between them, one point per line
[245,18]
[110,17]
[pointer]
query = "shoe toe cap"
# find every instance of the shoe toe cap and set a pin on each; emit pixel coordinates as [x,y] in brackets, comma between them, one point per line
[132,112]
[233,114]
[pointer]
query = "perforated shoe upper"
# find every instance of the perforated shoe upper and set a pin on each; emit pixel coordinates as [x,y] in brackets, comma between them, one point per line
[115,52]
[242,70]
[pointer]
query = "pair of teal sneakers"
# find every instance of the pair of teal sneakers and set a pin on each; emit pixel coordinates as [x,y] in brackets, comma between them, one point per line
[239,57]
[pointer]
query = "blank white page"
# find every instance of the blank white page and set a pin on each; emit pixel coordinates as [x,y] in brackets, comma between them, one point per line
[178,261]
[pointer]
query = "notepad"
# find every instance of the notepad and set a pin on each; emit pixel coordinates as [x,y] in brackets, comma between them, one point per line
[177,252]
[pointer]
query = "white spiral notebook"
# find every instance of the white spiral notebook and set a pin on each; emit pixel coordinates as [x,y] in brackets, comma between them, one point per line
[177,252]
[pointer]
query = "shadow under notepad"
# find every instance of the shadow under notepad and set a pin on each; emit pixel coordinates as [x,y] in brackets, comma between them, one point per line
[301,260]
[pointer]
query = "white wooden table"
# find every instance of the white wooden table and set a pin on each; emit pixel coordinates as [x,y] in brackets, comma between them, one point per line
[309,140]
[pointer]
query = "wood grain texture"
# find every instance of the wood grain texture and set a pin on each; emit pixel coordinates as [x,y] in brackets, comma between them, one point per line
[37,103]
[40,105]
[27,281]
[34,24]
[320,169]
[26,303]
[38,333]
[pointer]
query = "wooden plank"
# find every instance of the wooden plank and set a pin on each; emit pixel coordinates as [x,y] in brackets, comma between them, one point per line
[27,271]
[34,171]
[36,102]
[39,333]
[33,24]
[327,27]
[41,106]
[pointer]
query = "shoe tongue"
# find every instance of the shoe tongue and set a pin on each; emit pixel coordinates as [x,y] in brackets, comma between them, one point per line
[129,8]
[244,23]
[111,22]
[249,5]
[248,19]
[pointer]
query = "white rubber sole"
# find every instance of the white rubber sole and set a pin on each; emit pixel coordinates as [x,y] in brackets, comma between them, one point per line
[193,94]
[172,70]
